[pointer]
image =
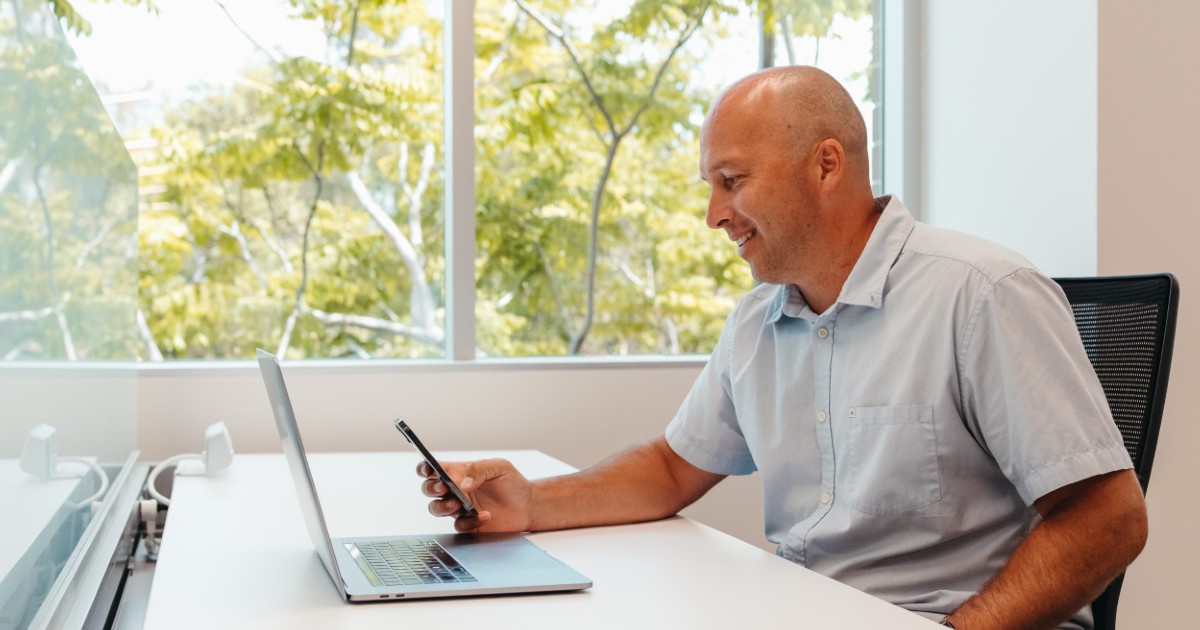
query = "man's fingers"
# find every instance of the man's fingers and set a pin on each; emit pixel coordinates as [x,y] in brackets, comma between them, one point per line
[456,470]
[444,507]
[468,524]
[433,488]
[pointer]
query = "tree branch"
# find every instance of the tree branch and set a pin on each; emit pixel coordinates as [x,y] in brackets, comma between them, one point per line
[201,258]
[672,332]
[683,38]
[494,64]
[421,304]
[29,315]
[785,27]
[52,285]
[8,172]
[562,307]
[234,230]
[274,245]
[19,349]
[298,302]
[152,350]
[414,194]
[275,55]
[594,248]
[429,336]
[558,34]
[611,147]
[95,242]
[353,35]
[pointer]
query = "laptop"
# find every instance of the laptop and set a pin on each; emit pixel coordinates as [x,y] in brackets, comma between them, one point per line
[387,568]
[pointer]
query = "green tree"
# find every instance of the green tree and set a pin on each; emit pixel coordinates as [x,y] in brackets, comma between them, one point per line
[301,209]
[67,202]
[292,189]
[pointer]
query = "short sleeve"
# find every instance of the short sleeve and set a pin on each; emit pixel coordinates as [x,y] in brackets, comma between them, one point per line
[1029,392]
[705,430]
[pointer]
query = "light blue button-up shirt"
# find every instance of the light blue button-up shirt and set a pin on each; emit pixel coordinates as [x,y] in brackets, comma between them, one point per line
[904,434]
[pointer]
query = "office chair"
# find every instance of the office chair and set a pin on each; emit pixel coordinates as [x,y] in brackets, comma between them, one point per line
[1127,324]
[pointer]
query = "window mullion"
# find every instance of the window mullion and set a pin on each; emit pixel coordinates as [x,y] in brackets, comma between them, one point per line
[459,200]
[901,161]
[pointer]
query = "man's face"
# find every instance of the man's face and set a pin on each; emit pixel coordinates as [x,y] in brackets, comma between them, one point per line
[760,194]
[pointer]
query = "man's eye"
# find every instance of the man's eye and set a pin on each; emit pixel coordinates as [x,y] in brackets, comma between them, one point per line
[730,181]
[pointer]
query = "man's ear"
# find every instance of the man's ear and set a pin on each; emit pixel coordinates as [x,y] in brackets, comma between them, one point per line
[831,163]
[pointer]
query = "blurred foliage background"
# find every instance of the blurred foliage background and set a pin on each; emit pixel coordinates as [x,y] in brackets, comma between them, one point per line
[300,209]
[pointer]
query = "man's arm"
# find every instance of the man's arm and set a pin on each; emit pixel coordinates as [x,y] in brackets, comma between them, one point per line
[645,482]
[1090,531]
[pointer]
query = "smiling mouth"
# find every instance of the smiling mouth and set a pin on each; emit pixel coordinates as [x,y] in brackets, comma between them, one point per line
[742,241]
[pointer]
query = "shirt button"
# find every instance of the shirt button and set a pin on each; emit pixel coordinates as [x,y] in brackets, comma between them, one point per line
[825,498]
[822,332]
[821,416]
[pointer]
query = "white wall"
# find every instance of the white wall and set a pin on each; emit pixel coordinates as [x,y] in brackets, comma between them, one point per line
[1009,126]
[1149,132]
[93,407]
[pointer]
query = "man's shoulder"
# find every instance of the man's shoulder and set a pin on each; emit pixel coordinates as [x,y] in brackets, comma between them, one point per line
[949,248]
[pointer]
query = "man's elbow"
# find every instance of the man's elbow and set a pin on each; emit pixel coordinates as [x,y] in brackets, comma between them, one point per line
[1137,530]
[1131,523]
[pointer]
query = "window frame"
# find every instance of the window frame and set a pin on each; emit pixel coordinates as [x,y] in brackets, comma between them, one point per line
[896,39]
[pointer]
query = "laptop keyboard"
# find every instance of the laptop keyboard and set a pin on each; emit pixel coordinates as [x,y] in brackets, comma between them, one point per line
[407,562]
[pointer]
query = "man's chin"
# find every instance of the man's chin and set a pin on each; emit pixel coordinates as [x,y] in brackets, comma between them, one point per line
[764,275]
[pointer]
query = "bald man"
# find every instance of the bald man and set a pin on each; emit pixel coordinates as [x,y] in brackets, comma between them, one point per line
[918,402]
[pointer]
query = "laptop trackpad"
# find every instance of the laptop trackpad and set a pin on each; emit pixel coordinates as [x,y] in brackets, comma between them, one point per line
[508,549]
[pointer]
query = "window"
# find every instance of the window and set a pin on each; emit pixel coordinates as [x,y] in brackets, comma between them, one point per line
[292,187]
[68,289]
[591,235]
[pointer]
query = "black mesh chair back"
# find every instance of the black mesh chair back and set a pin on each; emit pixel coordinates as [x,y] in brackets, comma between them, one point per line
[1127,324]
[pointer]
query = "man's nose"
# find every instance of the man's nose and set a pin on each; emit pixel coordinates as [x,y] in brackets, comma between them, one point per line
[718,210]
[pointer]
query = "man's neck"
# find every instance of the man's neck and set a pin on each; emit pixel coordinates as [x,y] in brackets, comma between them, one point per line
[822,285]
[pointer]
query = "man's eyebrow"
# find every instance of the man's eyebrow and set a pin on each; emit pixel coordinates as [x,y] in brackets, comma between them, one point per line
[714,168]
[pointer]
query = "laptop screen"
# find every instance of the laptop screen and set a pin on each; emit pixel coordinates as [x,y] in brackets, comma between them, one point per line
[293,450]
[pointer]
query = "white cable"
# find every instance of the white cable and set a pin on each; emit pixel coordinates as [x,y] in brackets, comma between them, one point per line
[99,473]
[164,464]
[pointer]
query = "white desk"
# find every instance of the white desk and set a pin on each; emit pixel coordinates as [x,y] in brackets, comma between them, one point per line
[33,506]
[235,555]
[34,513]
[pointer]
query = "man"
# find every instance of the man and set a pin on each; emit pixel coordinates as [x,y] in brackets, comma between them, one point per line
[927,425]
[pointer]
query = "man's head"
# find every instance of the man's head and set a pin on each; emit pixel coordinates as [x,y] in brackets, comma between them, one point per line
[785,153]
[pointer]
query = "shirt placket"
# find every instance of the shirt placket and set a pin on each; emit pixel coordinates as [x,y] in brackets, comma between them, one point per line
[822,358]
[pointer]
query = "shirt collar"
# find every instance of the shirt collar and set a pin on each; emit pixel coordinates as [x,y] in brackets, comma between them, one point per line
[864,286]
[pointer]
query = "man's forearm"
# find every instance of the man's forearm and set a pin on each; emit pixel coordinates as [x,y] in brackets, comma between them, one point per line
[643,483]
[1066,561]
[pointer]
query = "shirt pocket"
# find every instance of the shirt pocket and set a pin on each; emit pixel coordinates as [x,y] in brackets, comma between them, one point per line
[892,459]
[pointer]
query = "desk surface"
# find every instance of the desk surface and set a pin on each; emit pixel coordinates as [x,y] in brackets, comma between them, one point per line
[34,506]
[235,554]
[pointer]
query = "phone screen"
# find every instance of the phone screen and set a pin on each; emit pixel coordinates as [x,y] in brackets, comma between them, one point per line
[412,438]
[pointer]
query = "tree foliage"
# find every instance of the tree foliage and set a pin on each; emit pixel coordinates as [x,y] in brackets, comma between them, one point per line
[301,209]
[67,203]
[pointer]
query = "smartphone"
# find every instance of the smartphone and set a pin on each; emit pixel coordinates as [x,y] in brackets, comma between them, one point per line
[467,508]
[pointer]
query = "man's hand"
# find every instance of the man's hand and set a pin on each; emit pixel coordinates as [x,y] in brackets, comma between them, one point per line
[642,483]
[501,495]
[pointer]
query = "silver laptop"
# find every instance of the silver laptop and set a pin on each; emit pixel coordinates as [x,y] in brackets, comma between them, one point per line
[386,568]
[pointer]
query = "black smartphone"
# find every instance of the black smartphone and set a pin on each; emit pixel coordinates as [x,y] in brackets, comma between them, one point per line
[407,432]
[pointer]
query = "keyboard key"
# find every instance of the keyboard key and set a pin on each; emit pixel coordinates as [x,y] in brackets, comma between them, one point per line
[411,562]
